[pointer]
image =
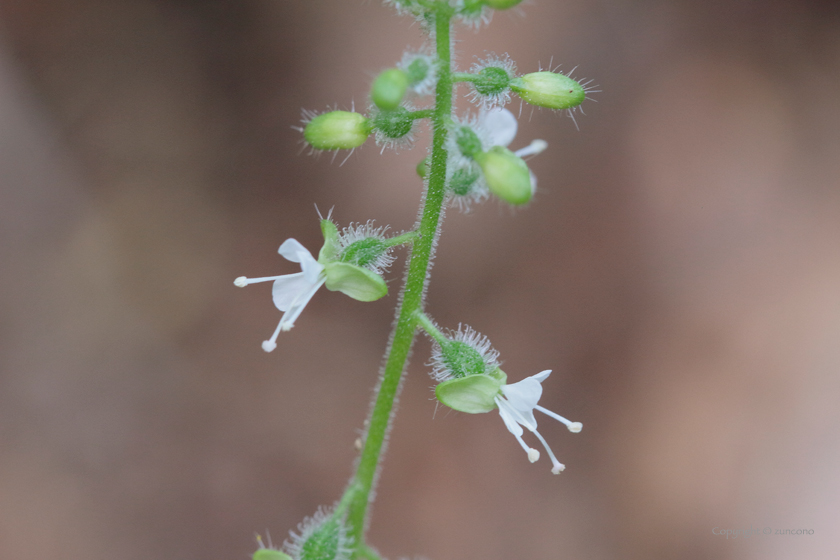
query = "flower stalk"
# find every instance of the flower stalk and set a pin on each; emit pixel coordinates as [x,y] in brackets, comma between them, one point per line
[402,336]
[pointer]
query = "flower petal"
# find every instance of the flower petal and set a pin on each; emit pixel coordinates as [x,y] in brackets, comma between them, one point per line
[288,289]
[311,268]
[500,125]
[511,424]
[541,376]
[291,249]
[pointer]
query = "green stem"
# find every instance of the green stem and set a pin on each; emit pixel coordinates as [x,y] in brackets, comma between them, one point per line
[402,239]
[429,326]
[422,114]
[464,77]
[402,337]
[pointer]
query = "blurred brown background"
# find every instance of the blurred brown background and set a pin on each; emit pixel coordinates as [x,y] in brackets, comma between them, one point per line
[679,270]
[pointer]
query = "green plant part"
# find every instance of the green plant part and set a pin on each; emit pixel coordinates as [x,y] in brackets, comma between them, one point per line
[337,130]
[506,174]
[491,81]
[502,4]
[549,89]
[389,89]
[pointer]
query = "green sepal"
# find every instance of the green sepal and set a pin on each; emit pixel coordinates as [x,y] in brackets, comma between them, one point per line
[270,554]
[357,282]
[329,251]
[506,174]
[472,394]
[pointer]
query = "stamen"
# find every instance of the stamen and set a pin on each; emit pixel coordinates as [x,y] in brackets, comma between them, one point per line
[533,455]
[557,466]
[242,281]
[271,343]
[536,147]
[573,427]
[295,309]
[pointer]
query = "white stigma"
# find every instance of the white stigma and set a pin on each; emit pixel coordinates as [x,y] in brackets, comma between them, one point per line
[240,282]
[575,427]
[269,345]
[533,455]
[558,468]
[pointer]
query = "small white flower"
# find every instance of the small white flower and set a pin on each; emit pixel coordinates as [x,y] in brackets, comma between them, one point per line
[499,127]
[516,406]
[493,127]
[291,292]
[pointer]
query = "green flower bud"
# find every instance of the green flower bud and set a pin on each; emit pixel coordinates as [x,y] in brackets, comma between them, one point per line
[322,537]
[359,283]
[423,167]
[337,130]
[491,80]
[417,70]
[473,394]
[393,124]
[270,554]
[549,89]
[502,4]
[389,88]
[468,142]
[506,174]
[462,181]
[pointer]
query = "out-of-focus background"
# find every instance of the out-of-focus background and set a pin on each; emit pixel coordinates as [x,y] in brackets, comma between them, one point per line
[679,270]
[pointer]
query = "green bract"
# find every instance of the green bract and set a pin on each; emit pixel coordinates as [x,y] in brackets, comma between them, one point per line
[389,88]
[473,394]
[506,174]
[270,554]
[548,89]
[357,282]
[337,130]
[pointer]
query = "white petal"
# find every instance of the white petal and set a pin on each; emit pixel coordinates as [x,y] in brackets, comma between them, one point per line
[291,249]
[510,422]
[288,289]
[500,125]
[311,268]
[541,376]
[523,395]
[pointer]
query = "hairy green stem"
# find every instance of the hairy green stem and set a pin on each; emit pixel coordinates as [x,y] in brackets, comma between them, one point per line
[402,336]
[429,326]
[401,239]
[464,77]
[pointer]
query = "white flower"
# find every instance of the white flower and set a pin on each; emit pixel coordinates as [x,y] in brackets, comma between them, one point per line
[499,127]
[291,292]
[468,175]
[517,406]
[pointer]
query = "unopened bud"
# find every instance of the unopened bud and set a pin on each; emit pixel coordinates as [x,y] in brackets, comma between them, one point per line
[549,89]
[506,174]
[337,130]
[389,88]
